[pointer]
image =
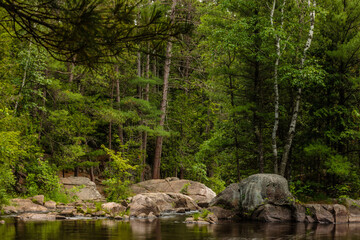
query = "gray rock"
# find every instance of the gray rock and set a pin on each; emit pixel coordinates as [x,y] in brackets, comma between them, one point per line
[320,213]
[19,205]
[212,218]
[341,213]
[151,215]
[38,199]
[99,214]
[50,205]
[36,217]
[197,191]
[193,221]
[354,209]
[223,213]
[180,210]
[272,213]
[141,215]
[113,208]
[68,212]
[10,210]
[160,203]
[259,189]
[85,189]
[298,214]
[309,219]
[229,198]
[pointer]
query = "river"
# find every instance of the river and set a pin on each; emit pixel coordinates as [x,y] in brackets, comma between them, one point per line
[171,228]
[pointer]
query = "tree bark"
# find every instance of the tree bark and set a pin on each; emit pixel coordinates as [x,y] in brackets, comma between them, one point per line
[276,86]
[291,132]
[159,139]
[23,79]
[71,69]
[110,123]
[144,136]
[120,129]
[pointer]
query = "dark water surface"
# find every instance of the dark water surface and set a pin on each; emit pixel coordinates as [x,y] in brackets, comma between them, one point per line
[171,228]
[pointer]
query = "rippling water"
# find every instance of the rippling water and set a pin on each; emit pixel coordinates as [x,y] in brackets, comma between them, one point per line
[171,228]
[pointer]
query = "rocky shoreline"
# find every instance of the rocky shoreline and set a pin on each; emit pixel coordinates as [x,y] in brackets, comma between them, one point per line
[260,197]
[153,199]
[266,197]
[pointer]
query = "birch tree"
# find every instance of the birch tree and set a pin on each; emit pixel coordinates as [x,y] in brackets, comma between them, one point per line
[291,132]
[159,139]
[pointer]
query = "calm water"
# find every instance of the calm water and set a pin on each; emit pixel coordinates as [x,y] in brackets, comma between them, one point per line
[171,228]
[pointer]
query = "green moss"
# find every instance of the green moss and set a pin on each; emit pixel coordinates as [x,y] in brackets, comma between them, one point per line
[184,189]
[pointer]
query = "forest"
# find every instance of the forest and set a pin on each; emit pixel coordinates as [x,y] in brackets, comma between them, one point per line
[212,91]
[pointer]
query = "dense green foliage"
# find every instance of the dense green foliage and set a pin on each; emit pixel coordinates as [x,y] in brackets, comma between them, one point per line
[93,108]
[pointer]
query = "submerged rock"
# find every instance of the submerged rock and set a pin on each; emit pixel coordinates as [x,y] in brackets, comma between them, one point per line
[197,191]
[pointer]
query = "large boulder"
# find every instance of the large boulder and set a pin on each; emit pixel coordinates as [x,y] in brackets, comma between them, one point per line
[229,198]
[272,213]
[354,209]
[201,194]
[260,189]
[321,213]
[158,203]
[82,187]
[18,205]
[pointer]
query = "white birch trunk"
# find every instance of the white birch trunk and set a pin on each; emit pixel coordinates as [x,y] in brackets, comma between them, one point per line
[291,131]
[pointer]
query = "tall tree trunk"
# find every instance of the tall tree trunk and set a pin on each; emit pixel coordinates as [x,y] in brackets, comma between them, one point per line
[110,123]
[144,136]
[71,69]
[258,96]
[139,74]
[23,79]
[276,86]
[120,129]
[291,132]
[159,139]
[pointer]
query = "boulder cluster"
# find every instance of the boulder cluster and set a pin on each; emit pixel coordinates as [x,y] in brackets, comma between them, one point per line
[261,197]
[153,198]
[266,197]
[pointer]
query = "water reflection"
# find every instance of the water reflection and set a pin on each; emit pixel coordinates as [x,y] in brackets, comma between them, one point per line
[172,228]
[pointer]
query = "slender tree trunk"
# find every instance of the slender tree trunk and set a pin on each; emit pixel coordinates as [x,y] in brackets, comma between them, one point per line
[139,73]
[237,145]
[71,69]
[120,129]
[276,86]
[92,176]
[23,79]
[291,132]
[110,123]
[144,137]
[159,139]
